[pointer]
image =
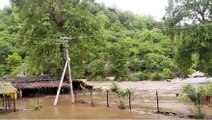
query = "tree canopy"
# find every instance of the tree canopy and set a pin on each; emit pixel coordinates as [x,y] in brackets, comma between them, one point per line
[108,41]
[194,21]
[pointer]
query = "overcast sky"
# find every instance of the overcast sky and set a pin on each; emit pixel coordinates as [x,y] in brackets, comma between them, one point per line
[4,3]
[155,8]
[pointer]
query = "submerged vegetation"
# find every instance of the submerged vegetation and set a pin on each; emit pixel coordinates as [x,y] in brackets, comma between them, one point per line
[108,42]
[123,94]
[197,96]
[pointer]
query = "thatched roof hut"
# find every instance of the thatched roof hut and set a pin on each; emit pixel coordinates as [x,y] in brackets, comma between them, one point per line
[6,88]
[34,85]
[8,95]
[35,82]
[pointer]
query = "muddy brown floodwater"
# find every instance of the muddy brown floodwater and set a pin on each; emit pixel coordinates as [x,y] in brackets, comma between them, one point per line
[144,101]
[64,110]
[143,104]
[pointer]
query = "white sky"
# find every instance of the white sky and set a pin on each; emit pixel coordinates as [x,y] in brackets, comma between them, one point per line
[155,8]
[4,3]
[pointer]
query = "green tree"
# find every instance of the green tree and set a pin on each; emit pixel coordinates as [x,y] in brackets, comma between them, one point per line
[191,20]
[9,27]
[108,42]
[45,21]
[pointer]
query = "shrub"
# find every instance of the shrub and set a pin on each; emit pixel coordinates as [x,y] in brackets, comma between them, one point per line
[145,75]
[121,93]
[139,76]
[3,70]
[98,78]
[156,76]
[191,93]
[135,76]
[167,73]
[194,96]
[97,70]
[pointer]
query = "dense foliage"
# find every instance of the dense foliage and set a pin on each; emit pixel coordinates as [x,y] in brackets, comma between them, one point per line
[193,18]
[108,42]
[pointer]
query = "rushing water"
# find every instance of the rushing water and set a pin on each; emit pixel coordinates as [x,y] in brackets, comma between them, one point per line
[64,110]
[143,104]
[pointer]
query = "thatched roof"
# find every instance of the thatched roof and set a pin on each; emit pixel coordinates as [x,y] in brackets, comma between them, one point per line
[35,82]
[30,79]
[6,88]
[39,84]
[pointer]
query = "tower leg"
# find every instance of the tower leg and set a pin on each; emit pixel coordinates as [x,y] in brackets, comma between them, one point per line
[71,85]
[61,82]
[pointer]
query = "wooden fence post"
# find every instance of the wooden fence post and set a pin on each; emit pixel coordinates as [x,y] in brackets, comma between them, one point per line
[3,101]
[198,98]
[91,96]
[107,98]
[130,100]
[14,105]
[158,110]
[75,95]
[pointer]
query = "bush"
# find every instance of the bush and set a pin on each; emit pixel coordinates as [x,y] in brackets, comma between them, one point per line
[194,96]
[121,93]
[139,76]
[205,90]
[98,72]
[135,76]
[3,70]
[157,76]
[98,78]
[145,75]
[167,73]
[191,93]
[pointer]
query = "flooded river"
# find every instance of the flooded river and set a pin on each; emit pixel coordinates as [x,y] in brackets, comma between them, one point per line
[143,104]
[64,110]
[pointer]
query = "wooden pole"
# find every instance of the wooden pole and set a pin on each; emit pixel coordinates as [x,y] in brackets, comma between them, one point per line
[20,93]
[158,110]
[38,97]
[3,101]
[129,100]
[107,98]
[14,105]
[198,98]
[6,105]
[91,96]
[60,85]
[70,79]
[75,95]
